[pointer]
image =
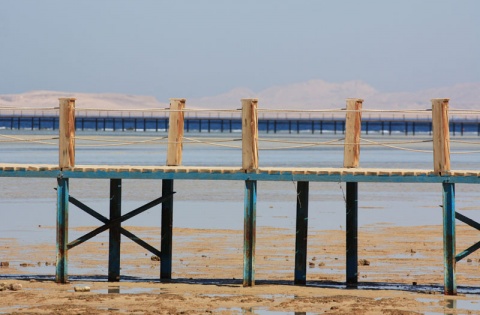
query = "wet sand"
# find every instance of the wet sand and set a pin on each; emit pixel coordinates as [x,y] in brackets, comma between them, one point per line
[404,275]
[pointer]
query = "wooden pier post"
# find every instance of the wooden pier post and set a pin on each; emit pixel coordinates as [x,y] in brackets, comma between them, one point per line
[66,135]
[249,163]
[250,214]
[174,158]
[441,136]
[353,128]
[61,275]
[441,166]
[249,134]
[114,231]
[351,158]
[300,275]
[175,132]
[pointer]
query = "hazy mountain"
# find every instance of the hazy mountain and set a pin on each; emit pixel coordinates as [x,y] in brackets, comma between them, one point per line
[318,94]
[49,99]
[314,94]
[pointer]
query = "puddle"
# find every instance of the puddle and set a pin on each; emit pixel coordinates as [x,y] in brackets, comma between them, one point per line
[127,290]
[258,311]
[13,308]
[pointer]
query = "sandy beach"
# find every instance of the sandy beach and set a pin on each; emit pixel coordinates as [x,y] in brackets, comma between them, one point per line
[403,276]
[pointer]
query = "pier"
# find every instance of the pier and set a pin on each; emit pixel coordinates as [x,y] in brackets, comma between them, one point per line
[250,172]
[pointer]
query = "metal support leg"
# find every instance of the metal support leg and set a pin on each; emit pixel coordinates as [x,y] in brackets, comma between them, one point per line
[114,232]
[352,233]
[62,231]
[449,250]
[250,207]
[302,234]
[167,235]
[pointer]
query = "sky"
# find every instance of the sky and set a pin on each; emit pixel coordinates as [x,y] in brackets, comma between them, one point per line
[204,48]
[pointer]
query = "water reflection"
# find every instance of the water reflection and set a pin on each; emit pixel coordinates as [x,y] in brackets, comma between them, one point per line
[450,307]
[113,289]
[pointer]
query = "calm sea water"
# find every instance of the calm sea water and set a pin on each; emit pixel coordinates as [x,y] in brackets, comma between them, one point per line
[27,203]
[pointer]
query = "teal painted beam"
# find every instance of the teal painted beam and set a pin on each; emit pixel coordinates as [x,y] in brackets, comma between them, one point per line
[467,252]
[265,175]
[115,229]
[467,220]
[449,251]
[124,232]
[249,230]
[301,237]
[123,218]
[61,275]
[352,233]
[166,248]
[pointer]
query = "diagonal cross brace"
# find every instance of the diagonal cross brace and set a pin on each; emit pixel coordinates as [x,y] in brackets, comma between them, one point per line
[103,219]
[467,220]
[475,246]
[123,218]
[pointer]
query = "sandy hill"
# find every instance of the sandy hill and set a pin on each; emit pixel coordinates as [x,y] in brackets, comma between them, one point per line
[314,94]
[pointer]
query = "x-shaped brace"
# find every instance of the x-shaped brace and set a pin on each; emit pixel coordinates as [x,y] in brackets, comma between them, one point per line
[475,246]
[109,223]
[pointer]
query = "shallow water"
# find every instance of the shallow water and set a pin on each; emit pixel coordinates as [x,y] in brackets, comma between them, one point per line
[28,206]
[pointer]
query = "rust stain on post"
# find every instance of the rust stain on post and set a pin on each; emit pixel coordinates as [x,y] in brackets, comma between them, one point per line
[353,128]
[249,134]
[175,132]
[441,136]
[66,129]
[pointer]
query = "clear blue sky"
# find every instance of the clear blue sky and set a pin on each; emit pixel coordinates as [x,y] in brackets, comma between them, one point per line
[199,48]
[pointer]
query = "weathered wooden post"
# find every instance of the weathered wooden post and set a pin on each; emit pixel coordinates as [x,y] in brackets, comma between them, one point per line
[66,158]
[441,136]
[249,134]
[353,128]
[351,158]
[249,164]
[441,166]
[175,132]
[174,158]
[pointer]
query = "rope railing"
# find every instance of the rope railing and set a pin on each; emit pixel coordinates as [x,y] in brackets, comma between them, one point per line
[17,139]
[251,142]
[217,143]
[237,110]
[113,142]
[396,147]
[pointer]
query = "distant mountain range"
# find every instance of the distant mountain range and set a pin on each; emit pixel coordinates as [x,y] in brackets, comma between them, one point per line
[313,94]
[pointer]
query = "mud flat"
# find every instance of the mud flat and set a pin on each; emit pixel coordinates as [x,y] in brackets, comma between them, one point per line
[404,275]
